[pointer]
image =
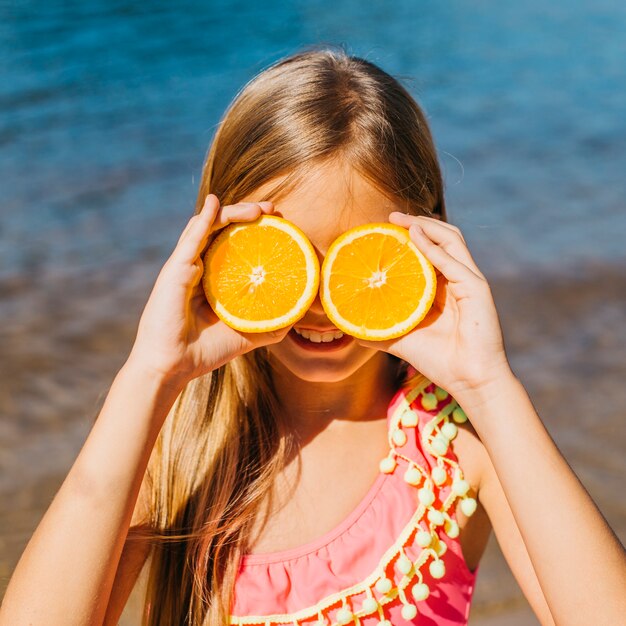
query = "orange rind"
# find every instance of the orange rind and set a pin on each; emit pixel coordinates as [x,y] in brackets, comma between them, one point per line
[375,284]
[260,276]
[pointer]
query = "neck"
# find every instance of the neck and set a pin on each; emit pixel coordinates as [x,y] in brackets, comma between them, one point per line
[310,407]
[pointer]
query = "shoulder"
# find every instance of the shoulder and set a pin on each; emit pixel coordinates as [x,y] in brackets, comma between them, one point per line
[473,458]
[437,409]
[467,446]
[471,454]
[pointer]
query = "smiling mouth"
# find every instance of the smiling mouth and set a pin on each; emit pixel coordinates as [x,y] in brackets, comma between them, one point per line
[319,337]
[321,341]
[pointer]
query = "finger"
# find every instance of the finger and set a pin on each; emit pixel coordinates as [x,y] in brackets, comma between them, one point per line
[242,212]
[199,265]
[211,205]
[458,275]
[195,235]
[406,219]
[448,236]
[194,240]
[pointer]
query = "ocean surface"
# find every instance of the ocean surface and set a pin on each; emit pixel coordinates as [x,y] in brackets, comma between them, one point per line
[107,109]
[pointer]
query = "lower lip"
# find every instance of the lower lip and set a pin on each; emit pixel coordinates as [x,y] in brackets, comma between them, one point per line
[329,346]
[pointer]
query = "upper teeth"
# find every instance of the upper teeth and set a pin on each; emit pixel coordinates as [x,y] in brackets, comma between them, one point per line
[316,337]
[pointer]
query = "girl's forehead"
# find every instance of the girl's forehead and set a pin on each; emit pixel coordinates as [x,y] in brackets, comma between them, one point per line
[329,201]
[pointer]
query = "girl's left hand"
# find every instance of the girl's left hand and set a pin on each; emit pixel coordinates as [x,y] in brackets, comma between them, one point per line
[459,344]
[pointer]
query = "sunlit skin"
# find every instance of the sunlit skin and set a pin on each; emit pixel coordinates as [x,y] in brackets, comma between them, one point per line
[355,382]
[569,562]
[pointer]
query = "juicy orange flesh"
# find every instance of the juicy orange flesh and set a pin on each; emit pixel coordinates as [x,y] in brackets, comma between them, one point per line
[382,260]
[280,266]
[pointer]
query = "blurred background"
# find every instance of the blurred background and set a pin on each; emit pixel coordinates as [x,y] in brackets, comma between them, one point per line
[108,108]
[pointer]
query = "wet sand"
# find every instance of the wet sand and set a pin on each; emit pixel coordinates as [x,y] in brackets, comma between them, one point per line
[65,335]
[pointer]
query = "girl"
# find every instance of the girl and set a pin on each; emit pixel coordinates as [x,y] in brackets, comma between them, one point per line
[248,466]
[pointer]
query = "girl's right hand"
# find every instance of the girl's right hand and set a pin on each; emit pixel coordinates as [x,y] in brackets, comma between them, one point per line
[179,336]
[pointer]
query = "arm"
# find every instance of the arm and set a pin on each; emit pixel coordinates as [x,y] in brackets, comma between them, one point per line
[495,513]
[79,551]
[577,559]
[578,562]
[67,570]
[132,560]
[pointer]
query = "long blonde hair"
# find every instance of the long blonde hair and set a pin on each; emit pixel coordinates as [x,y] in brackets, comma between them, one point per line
[221,446]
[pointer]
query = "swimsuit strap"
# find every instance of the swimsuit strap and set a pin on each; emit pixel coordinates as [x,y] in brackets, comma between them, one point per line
[420,430]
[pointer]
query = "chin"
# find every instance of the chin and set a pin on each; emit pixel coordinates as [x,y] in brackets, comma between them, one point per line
[321,370]
[316,375]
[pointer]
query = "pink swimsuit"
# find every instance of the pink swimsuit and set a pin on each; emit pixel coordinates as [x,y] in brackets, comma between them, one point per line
[396,559]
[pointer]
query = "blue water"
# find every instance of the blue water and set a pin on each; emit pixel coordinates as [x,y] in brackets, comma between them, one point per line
[107,110]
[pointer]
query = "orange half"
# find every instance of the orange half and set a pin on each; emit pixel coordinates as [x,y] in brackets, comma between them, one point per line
[261,275]
[375,283]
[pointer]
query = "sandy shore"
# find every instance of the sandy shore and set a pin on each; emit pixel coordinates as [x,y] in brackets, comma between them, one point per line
[65,336]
